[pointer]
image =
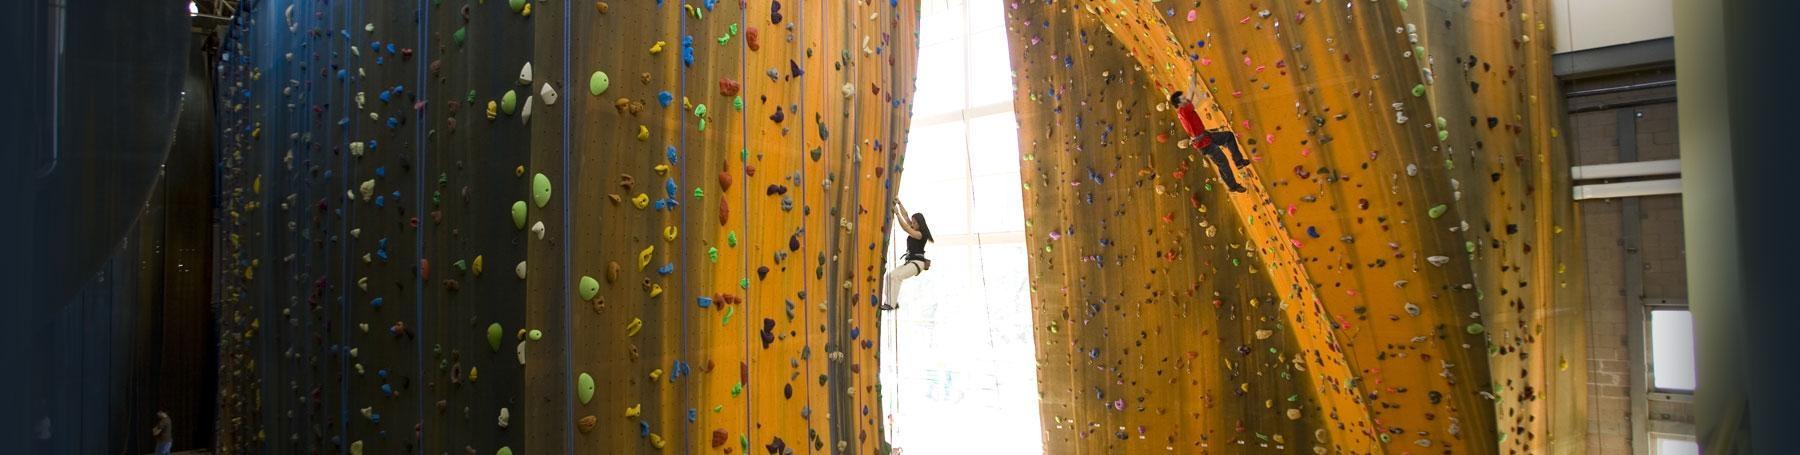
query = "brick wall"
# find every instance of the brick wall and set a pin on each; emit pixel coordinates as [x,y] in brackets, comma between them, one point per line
[1594,135]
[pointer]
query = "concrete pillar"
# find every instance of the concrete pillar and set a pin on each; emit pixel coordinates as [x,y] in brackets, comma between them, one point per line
[1734,61]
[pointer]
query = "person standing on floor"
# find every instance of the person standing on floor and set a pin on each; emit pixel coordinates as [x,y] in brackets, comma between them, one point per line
[1209,142]
[164,433]
[917,235]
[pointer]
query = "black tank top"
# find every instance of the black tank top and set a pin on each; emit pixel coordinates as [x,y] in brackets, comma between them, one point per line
[915,248]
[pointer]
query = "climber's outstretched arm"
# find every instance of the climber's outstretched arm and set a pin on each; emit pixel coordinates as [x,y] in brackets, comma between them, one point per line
[905,220]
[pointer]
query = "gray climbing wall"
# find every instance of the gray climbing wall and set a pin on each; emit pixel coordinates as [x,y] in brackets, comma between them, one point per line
[664,238]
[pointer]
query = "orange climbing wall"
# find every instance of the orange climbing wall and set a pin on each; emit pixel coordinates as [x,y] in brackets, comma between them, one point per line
[1418,263]
[730,311]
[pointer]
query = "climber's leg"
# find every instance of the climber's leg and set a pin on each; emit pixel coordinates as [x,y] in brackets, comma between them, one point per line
[1229,140]
[890,288]
[1225,171]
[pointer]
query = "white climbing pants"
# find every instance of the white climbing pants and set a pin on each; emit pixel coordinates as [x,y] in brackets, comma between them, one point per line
[890,288]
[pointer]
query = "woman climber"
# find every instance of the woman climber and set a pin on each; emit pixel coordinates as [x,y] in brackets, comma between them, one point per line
[1209,141]
[917,234]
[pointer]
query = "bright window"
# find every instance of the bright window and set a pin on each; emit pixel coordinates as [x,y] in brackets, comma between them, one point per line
[1672,350]
[958,364]
[1673,445]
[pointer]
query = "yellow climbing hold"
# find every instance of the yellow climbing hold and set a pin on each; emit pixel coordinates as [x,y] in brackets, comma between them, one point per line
[670,233]
[632,328]
[643,132]
[644,257]
[641,200]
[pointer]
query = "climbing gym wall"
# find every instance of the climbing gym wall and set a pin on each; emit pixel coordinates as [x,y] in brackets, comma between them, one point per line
[1386,284]
[550,227]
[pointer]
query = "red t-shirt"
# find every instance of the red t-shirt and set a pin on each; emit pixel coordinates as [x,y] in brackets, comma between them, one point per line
[1190,121]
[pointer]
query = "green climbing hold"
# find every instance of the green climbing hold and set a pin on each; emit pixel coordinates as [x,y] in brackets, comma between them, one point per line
[700,111]
[540,190]
[1476,329]
[589,288]
[504,450]
[518,214]
[712,253]
[535,335]
[1419,90]
[509,102]
[731,238]
[584,387]
[1443,135]
[738,103]
[598,83]
[461,35]
[1437,211]
[517,5]
[1403,5]
[493,335]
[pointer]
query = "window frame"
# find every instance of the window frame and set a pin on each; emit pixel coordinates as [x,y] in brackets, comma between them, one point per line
[1655,392]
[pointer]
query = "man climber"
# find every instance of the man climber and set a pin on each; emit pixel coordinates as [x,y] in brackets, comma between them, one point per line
[917,234]
[1209,141]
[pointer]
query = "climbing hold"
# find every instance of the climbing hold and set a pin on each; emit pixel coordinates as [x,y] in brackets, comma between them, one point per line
[1437,211]
[587,423]
[644,257]
[518,215]
[493,336]
[519,270]
[540,189]
[548,94]
[538,229]
[598,83]
[535,335]
[476,267]
[589,288]
[509,102]
[632,328]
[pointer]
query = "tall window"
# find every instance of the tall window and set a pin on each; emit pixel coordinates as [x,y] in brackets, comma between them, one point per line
[1671,349]
[958,362]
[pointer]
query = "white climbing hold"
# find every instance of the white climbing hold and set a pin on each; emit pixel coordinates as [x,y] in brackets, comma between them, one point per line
[1438,260]
[525,74]
[356,149]
[549,94]
[521,350]
[368,189]
[520,270]
[538,228]
[849,89]
[356,233]
[504,417]
[525,115]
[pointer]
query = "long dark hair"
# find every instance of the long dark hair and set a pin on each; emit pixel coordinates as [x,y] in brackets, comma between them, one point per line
[924,229]
[1175,99]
